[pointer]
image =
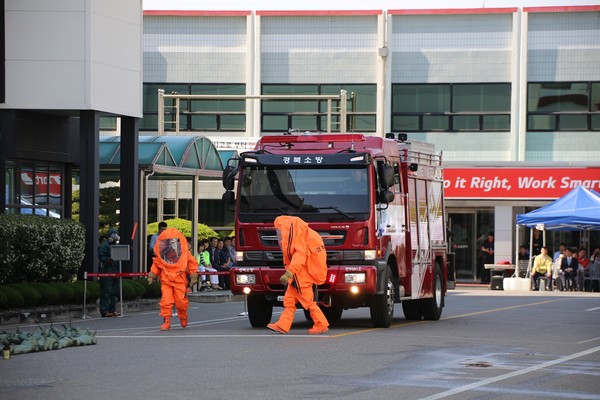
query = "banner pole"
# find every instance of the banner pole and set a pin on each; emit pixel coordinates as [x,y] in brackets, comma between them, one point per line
[84,294]
[121,287]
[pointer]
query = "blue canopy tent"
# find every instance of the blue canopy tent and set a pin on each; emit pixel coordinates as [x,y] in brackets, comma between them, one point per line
[578,210]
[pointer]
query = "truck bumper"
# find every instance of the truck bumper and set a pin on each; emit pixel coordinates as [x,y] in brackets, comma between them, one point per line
[341,280]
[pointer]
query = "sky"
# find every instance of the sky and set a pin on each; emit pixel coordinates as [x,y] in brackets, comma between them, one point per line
[351,4]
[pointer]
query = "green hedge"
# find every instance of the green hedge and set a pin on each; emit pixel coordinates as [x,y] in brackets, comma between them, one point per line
[38,294]
[14,299]
[39,249]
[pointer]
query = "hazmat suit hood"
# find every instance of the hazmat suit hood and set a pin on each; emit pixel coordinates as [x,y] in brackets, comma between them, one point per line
[293,231]
[170,247]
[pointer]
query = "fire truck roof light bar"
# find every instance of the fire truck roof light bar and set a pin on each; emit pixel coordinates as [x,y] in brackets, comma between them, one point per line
[313,138]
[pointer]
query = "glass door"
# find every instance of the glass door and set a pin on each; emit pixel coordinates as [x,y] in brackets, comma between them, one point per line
[462,242]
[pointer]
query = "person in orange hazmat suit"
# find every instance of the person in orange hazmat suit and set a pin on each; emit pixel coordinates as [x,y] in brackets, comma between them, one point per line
[305,261]
[172,264]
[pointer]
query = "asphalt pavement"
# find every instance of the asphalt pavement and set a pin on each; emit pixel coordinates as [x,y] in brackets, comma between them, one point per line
[487,345]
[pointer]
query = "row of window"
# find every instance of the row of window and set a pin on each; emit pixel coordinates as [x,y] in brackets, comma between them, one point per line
[453,107]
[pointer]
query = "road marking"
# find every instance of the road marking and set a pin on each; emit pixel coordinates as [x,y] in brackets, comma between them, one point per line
[589,340]
[168,336]
[513,374]
[593,309]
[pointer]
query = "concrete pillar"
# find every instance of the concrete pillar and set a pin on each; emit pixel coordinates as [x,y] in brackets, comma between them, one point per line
[503,233]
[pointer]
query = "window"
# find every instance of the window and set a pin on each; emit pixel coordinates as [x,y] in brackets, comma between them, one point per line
[303,115]
[34,188]
[563,106]
[196,114]
[452,107]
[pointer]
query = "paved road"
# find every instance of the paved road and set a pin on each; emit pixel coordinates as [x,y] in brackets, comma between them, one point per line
[488,345]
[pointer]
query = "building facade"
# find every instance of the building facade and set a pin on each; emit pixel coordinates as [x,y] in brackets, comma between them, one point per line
[510,95]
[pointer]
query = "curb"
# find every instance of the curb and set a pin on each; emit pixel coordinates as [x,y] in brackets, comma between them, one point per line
[65,313]
[216,296]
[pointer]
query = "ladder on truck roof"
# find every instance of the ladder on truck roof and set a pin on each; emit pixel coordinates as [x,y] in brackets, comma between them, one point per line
[175,109]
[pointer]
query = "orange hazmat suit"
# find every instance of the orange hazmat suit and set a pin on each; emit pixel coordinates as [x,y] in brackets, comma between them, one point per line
[172,264]
[304,258]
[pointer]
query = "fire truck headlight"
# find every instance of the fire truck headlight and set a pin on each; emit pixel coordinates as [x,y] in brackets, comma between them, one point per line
[245,279]
[354,289]
[370,254]
[239,256]
[355,277]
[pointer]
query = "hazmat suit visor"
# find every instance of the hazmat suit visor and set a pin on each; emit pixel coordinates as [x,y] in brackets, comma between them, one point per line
[170,250]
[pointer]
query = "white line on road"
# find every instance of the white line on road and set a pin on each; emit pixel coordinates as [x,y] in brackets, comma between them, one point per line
[589,340]
[167,336]
[513,374]
[593,309]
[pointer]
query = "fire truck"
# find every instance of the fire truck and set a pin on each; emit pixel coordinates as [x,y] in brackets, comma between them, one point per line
[377,203]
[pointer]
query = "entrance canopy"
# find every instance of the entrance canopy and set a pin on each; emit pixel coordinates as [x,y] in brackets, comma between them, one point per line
[576,211]
[166,157]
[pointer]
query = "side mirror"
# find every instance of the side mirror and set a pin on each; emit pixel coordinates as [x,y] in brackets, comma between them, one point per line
[229,174]
[385,197]
[386,176]
[228,198]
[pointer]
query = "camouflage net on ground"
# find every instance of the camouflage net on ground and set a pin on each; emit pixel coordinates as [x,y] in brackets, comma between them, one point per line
[46,339]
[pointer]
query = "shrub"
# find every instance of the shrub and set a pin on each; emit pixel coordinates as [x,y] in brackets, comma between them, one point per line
[3,299]
[140,289]
[65,292]
[14,299]
[185,227]
[31,296]
[78,293]
[39,249]
[128,290]
[153,291]
[50,294]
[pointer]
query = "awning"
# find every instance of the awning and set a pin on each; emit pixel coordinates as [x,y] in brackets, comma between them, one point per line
[166,157]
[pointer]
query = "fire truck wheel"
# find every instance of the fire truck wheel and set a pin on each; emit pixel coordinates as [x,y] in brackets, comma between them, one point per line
[260,311]
[382,305]
[411,309]
[432,308]
[331,313]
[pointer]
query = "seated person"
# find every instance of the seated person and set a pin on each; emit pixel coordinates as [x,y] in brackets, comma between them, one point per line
[582,270]
[569,267]
[356,184]
[204,265]
[542,268]
[558,275]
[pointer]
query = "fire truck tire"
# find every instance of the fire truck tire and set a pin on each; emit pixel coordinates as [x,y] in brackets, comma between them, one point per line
[432,308]
[412,311]
[382,305]
[331,313]
[260,311]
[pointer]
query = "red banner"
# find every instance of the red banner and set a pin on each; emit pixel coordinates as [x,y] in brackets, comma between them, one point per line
[517,183]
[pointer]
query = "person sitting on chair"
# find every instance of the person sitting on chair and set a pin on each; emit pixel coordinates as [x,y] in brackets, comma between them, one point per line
[569,266]
[542,267]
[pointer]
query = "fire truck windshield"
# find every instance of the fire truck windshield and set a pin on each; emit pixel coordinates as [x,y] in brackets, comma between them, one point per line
[318,194]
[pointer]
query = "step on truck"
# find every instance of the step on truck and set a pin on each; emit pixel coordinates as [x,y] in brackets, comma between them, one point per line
[378,204]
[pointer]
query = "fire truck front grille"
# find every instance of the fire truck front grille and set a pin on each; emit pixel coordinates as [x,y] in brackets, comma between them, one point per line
[268,238]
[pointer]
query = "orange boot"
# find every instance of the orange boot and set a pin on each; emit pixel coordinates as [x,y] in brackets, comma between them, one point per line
[183,320]
[166,324]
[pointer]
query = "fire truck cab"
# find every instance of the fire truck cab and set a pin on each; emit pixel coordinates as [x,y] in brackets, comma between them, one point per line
[377,203]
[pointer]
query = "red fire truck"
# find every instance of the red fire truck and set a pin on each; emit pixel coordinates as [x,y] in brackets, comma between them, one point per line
[377,203]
